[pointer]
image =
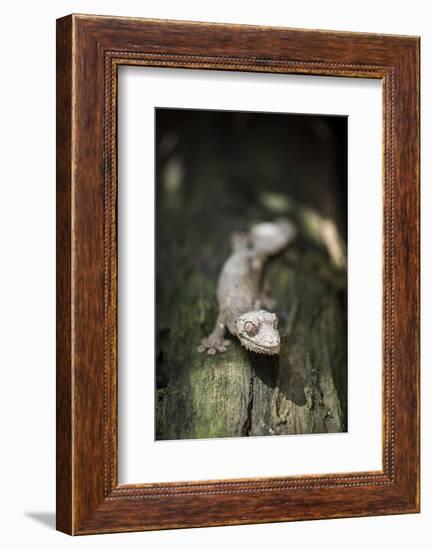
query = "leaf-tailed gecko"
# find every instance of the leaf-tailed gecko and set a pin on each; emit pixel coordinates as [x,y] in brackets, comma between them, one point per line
[243,305]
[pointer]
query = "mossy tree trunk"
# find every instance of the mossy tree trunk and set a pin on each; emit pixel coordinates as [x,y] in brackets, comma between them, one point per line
[241,393]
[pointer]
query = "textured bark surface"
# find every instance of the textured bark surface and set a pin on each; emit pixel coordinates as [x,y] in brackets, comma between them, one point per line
[205,192]
[240,393]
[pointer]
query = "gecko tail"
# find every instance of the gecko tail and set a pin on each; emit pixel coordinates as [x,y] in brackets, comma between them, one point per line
[269,238]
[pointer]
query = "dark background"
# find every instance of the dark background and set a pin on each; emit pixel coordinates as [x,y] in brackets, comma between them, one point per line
[303,156]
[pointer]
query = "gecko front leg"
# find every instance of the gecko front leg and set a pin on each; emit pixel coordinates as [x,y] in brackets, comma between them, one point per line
[216,341]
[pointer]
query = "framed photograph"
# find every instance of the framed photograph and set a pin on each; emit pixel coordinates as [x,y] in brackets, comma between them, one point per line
[237,274]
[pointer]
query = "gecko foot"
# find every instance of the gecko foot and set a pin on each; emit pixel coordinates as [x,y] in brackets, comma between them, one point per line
[212,345]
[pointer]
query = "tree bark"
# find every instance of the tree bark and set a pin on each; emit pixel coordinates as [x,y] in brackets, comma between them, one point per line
[239,393]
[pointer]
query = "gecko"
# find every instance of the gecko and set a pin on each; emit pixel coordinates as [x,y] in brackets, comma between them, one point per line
[242,303]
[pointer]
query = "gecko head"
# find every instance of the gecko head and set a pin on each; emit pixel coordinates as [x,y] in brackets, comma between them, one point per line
[257,331]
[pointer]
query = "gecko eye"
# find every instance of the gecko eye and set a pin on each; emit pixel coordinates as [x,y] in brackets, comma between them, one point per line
[250,328]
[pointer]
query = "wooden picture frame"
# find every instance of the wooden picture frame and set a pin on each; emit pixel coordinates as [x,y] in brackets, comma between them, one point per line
[89,51]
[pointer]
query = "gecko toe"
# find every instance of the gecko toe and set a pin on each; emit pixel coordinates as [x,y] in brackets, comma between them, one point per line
[211,351]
